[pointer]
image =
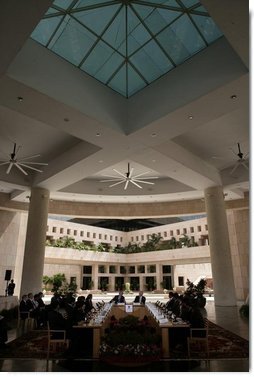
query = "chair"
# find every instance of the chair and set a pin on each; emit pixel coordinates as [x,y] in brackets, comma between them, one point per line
[56,344]
[25,321]
[197,342]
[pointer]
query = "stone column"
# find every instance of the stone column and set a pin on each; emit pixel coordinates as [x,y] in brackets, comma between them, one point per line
[223,280]
[158,276]
[33,263]
[95,276]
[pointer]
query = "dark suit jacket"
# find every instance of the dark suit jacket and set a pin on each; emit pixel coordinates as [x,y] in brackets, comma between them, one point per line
[24,309]
[143,299]
[115,299]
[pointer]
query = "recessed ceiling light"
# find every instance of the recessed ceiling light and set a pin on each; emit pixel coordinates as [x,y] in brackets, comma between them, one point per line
[153,160]
[98,134]
[190,117]
[234,96]
[20,99]
[154,134]
[66,119]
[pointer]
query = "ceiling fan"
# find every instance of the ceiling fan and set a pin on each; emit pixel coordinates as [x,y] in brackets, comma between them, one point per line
[21,162]
[241,159]
[128,177]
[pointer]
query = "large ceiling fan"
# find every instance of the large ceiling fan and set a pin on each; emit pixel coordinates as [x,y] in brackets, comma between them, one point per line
[21,163]
[241,159]
[128,177]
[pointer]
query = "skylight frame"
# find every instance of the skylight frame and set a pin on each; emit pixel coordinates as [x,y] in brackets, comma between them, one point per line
[126,59]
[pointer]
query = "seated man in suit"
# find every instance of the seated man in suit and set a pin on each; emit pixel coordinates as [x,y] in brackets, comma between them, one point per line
[140,298]
[118,298]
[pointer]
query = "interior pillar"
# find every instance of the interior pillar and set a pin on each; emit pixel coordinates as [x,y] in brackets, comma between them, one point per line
[33,263]
[223,280]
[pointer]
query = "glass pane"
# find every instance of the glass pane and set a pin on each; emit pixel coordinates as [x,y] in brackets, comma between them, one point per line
[45,28]
[151,61]
[201,9]
[97,19]
[109,67]
[173,46]
[116,33]
[156,19]
[189,3]
[64,4]
[207,27]
[137,33]
[135,82]
[118,83]
[187,34]
[72,42]
[171,3]
[52,11]
[85,3]
[102,62]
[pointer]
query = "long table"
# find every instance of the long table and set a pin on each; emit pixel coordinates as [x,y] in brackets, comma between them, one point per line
[120,311]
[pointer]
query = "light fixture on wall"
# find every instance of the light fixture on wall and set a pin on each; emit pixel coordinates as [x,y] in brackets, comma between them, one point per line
[21,163]
[128,177]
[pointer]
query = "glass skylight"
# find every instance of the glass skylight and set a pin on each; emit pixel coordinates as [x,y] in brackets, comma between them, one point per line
[126,44]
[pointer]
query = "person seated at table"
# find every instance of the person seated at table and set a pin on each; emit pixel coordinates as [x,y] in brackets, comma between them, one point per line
[57,321]
[191,313]
[24,307]
[118,299]
[78,313]
[176,304]
[80,298]
[170,303]
[140,298]
[89,303]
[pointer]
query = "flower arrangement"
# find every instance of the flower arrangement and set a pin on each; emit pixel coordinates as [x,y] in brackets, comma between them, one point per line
[130,342]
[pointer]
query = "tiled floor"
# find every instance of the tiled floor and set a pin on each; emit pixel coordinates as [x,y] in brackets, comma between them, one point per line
[227,317]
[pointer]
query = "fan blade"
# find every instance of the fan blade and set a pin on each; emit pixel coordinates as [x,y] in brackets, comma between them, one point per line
[15,154]
[29,167]
[112,180]
[246,156]
[147,178]
[20,168]
[126,185]
[9,168]
[140,181]
[233,151]
[118,183]
[134,183]
[132,170]
[111,176]
[28,157]
[139,175]
[246,167]
[118,172]
[4,163]
[234,168]
[33,163]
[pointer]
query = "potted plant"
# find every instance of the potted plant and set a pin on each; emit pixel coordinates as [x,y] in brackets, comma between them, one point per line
[130,343]
[197,291]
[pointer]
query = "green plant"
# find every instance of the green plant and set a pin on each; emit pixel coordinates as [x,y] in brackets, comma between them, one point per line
[130,338]
[244,310]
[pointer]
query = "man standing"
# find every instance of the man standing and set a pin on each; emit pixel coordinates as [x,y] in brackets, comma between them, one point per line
[10,288]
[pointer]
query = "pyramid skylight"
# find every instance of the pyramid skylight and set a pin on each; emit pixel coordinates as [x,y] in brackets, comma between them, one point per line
[127,44]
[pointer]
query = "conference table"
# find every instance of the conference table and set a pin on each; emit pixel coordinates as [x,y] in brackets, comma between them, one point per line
[101,321]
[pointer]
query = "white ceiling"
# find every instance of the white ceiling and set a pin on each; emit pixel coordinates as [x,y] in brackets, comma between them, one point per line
[84,130]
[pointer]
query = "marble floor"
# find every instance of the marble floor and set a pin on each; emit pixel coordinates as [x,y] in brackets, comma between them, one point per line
[227,317]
